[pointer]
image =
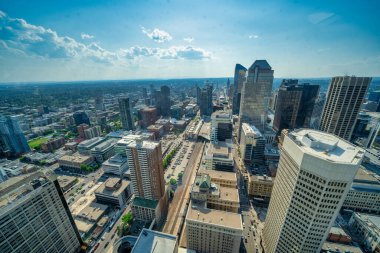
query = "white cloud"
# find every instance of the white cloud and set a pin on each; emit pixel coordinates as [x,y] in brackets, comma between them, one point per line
[86,36]
[157,35]
[17,34]
[188,39]
[319,17]
[253,36]
[174,52]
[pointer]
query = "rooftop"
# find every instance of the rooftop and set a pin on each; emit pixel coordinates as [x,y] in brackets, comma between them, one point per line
[93,211]
[91,142]
[216,174]
[76,158]
[152,204]
[65,180]
[338,247]
[372,221]
[219,149]
[251,130]
[139,142]
[326,146]
[105,145]
[112,187]
[262,64]
[366,176]
[155,242]
[215,217]
[229,194]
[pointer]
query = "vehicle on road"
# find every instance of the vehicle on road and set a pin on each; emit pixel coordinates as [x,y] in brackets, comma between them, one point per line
[105,246]
[103,237]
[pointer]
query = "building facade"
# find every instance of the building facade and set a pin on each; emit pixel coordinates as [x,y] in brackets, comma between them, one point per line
[12,139]
[315,173]
[344,99]
[221,126]
[239,78]
[126,114]
[205,104]
[252,145]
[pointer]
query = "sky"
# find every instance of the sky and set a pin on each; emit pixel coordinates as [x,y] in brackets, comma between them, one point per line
[122,39]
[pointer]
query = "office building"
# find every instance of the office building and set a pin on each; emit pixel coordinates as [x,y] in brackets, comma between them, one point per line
[81,128]
[114,191]
[295,104]
[316,115]
[92,132]
[148,116]
[74,163]
[116,165]
[12,139]
[209,231]
[255,95]
[164,104]
[222,178]
[344,99]
[252,145]
[219,157]
[239,78]
[367,228]
[84,148]
[52,144]
[126,114]
[11,168]
[221,126]
[80,117]
[155,242]
[260,186]
[315,173]
[34,216]
[366,130]
[99,104]
[205,97]
[364,194]
[104,150]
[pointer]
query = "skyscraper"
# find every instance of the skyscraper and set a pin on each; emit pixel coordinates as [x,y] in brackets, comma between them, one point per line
[165,101]
[252,145]
[126,114]
[221,126]
[239,78]
[315,173]
[255,96]
[34,216]
[80,117]
[344,99]
[99,103]
[295,104]
[316,115]
[206,100]
[12,139]
[145,164]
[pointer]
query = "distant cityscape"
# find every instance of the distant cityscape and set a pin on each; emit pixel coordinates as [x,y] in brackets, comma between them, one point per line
[249,163]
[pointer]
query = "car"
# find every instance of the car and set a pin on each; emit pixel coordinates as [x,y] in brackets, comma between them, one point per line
[105,245]
[103,237]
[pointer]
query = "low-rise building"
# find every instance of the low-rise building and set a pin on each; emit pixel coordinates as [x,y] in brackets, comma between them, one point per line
[165,123]
[66,182]
[157,242]
[146,209]
[219,157]
[338,235]
[116,165]
[71,146]
[333,247]
[104,150]
[260,186]
[74,162]
[222,178]
[210,230]
[157,130]
[84,148]
[93,132]
[15,167]
[114,191]
[364,195]
[52,144]
[367,228]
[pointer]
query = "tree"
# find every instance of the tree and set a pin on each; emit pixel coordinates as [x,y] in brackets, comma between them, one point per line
[127,219]
[173,181]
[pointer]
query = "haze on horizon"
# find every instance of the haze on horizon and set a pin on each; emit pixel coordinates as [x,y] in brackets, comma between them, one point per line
[97,40]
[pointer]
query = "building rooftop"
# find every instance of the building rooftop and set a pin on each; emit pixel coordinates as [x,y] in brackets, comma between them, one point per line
[148,203]
[105,145]
[251,130]
[93,211]
[75,158]
[65,180]
[338,247]
[112,187]
[262,178]
[155,242]
[155,127]
[216,174]
[91,142]
[139,142]
[326,146]
[372,221]
[214,217]
[219,149]
[221,114]
[116,160]
[262,64]
[229,194]
[366,176]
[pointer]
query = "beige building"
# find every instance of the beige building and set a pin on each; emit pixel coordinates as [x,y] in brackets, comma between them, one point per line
[315,173]
[219,157]
[114,191]
[210,231]
[252,145]
[211,195]
[344,99]
[222,178]
[260,186]
[74,162]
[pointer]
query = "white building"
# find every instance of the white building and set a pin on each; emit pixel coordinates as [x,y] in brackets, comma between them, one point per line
[315,173]
[84,148]
[104,150]
[116,165]
[219,157]
[252,144]
[221,126]
[114,191]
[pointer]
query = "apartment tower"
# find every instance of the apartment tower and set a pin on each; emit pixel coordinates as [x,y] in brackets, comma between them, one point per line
[344,99]
[315,173]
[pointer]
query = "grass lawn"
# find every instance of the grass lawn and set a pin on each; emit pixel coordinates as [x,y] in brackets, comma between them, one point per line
[37,142]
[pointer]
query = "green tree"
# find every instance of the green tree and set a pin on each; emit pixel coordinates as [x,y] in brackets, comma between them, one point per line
[127,218]
[173,181]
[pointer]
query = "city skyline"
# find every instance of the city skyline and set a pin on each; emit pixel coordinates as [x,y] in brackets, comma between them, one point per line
[95,41]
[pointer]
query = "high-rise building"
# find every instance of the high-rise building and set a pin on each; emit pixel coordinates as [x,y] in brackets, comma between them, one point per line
[165,101]
[255,96]
[316,115]
[99,103]
[92,132]
[344,99]
[144,92]
[126,114]
[221,126]
[80,117]
[252,145]
[34,216]
[81,128]
[148,116]
[206,100]
[239,78]
[295,104]
[145,165]
[12,139]
[315,173]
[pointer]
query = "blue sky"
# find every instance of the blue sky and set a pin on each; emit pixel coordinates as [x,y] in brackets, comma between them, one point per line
[115,39]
